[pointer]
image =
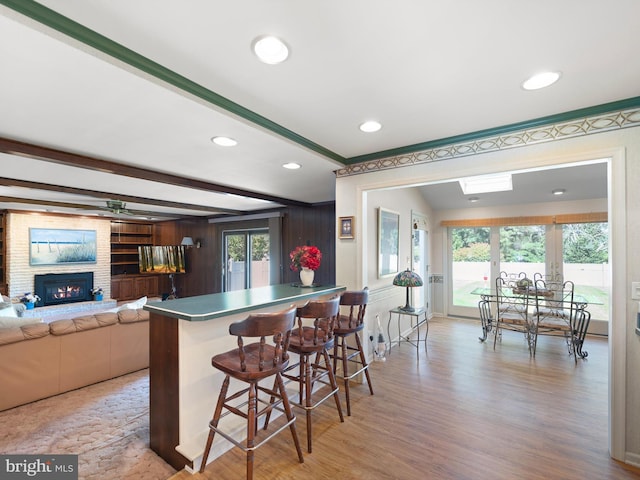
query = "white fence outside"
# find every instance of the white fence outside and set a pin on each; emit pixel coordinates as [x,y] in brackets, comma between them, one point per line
[590,280]
[259,274]
[588,274]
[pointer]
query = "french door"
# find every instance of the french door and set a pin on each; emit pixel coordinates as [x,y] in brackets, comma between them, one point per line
[575,251]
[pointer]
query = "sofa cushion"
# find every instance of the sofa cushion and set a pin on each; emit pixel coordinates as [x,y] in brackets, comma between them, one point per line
[133,316]
[80,324]
[106,318]
[62,327]
[26,332]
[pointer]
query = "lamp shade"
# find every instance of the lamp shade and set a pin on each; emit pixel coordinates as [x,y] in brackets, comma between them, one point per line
[187,241]
[407,279]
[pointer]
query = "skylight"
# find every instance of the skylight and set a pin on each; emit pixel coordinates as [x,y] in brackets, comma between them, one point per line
[500,182]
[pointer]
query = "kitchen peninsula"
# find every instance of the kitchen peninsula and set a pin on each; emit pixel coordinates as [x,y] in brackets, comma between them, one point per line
[184,334]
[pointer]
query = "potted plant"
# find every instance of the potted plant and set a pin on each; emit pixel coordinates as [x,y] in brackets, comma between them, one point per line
[30,299]
[97,294]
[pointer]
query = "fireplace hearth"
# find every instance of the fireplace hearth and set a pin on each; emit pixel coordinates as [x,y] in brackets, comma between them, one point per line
[61,288]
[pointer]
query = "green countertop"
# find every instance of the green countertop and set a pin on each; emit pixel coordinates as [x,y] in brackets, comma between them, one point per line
[215,305]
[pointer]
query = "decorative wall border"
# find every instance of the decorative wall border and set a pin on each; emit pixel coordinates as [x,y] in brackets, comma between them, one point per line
[556,131]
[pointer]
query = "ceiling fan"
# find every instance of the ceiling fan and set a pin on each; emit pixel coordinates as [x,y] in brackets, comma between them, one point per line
[118,207]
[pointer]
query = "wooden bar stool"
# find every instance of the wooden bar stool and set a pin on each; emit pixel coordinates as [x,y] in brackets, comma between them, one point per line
[252,363]
[309,340]
[351,324]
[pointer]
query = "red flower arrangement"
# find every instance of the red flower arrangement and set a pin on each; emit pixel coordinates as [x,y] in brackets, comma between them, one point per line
[305,257]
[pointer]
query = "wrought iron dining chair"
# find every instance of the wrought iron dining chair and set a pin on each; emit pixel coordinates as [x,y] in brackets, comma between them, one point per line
[486,318]
[555,312]
[513,302]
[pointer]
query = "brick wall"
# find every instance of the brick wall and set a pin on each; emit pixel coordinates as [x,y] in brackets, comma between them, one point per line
[20,274]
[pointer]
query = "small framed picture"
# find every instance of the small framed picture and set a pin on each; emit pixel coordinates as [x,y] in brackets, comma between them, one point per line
[345,227]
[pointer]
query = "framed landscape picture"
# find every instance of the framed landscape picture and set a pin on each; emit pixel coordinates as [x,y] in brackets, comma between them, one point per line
[52,246]
[388,242]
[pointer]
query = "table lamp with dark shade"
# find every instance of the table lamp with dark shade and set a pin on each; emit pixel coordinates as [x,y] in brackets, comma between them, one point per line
[408,279]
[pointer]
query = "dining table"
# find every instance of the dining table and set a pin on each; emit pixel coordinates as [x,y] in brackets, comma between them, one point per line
[576,318]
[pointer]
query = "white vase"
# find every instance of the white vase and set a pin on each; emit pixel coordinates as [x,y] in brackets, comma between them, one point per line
[306,276]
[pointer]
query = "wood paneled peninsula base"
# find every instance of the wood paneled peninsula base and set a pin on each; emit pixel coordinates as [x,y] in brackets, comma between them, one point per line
[183,386]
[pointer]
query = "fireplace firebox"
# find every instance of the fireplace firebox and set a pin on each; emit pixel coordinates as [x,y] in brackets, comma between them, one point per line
[60,288]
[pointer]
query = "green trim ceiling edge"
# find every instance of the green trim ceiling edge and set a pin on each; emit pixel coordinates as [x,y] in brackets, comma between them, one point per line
[586,125]
[65,25]
[79,32]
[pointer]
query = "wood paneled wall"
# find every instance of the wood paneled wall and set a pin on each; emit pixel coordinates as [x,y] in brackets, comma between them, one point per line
[300,226]
[311,226]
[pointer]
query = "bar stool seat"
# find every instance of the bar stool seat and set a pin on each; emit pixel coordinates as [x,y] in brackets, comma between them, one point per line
[252,363]
[307,341]
[351,324]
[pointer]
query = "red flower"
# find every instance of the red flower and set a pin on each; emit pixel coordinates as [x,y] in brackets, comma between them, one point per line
[305,257]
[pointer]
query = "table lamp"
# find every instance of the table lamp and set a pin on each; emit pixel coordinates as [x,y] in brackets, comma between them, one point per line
[407,279]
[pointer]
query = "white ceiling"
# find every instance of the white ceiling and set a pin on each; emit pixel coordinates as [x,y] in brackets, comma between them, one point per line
[427,70]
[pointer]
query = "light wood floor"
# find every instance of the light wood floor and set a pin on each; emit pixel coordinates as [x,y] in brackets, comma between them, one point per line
[461,411]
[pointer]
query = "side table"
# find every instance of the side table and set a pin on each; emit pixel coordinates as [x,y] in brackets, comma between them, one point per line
[414,316]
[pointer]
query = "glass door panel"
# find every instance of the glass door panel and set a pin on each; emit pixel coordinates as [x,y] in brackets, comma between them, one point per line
[259,271]
[239,246]
[471,264]
[585,253]
[522,249]
[235,252]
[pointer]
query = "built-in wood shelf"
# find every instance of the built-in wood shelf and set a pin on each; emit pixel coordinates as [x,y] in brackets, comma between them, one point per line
[126,237]
[126,281]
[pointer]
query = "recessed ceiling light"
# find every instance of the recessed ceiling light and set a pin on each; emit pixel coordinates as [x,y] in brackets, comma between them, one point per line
[541,80]
[558,191]
[474,199]
[291,165]
[270,50]
[224,141]
[370,126]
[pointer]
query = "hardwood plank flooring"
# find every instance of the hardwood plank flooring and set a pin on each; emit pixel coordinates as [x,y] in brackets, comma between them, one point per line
[459,411]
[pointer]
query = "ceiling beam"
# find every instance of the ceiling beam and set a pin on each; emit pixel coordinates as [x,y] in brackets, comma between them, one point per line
[89,37]
[49,204]
[14,147]
[12,182]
